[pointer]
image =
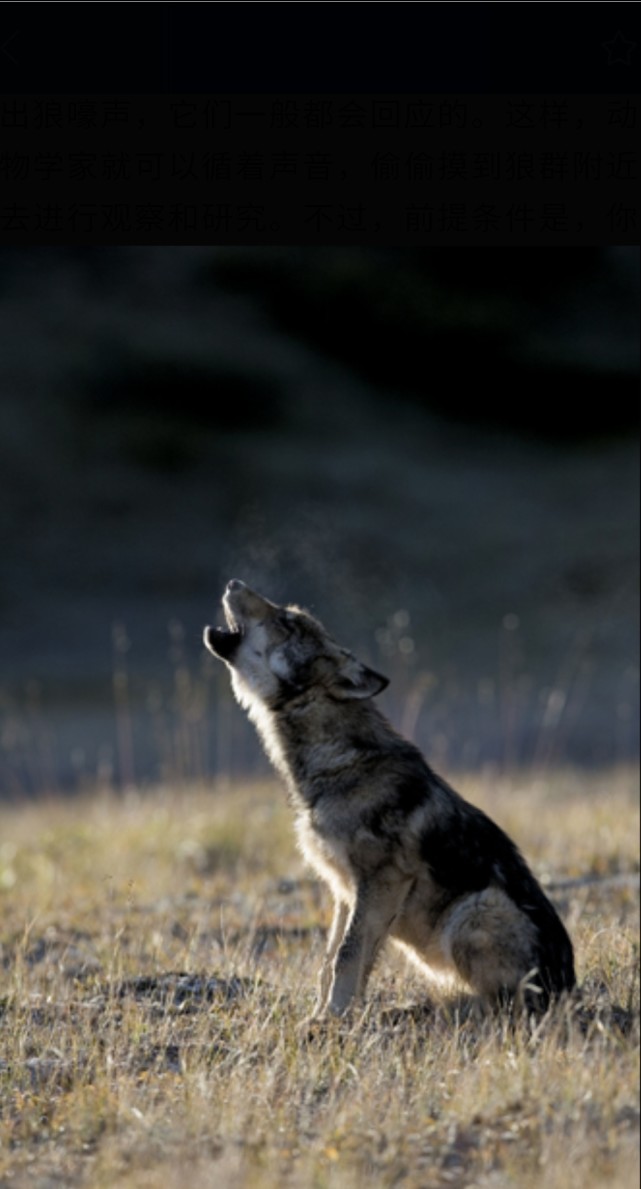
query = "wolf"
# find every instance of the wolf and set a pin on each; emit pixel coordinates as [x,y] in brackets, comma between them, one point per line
[405,856]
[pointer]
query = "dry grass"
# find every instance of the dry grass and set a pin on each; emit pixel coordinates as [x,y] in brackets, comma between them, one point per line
[114,1072]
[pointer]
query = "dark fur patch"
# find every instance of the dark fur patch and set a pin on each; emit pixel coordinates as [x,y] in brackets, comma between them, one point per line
[287,691]
[467,852]
[407,793]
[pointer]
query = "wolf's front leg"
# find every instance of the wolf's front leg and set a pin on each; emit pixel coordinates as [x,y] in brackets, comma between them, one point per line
[336,934]
[377,906]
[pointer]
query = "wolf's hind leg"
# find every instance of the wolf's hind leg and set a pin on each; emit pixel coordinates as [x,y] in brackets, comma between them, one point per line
[491,943]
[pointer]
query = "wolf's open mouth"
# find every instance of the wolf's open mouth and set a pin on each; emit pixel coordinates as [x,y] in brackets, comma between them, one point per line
[223,641]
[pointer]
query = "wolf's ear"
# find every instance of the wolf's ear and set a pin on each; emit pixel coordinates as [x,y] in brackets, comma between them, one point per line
[354,680]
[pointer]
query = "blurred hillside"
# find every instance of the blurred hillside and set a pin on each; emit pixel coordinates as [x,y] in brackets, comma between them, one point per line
[434,451]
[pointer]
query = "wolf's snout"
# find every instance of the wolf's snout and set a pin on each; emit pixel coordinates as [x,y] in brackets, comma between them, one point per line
[241,599]
[234,585]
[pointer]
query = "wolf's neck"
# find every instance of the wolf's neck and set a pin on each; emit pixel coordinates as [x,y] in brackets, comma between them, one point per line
[310,748]
[267,727]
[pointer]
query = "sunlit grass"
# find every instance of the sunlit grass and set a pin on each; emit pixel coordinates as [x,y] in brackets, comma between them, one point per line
[113,1073]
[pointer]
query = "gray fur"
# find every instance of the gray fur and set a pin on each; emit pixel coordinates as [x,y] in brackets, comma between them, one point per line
[405,857]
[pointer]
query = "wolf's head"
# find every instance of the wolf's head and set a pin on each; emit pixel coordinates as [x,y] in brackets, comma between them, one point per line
[277,653]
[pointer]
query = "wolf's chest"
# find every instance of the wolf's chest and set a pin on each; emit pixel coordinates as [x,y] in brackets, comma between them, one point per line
[325,851]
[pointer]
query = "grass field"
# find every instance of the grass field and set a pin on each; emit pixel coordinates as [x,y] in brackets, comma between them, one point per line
[159,953]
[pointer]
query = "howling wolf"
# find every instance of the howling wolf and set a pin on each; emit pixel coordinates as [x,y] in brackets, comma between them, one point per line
[405,856]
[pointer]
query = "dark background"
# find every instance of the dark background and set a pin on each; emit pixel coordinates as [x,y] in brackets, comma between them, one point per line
[435,450]
[215,48]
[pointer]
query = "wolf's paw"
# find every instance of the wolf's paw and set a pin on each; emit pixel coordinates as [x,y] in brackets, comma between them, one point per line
[326,1026]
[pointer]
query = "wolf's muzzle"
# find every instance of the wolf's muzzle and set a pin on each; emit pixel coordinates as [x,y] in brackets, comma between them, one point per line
[234,586]
[240,602]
